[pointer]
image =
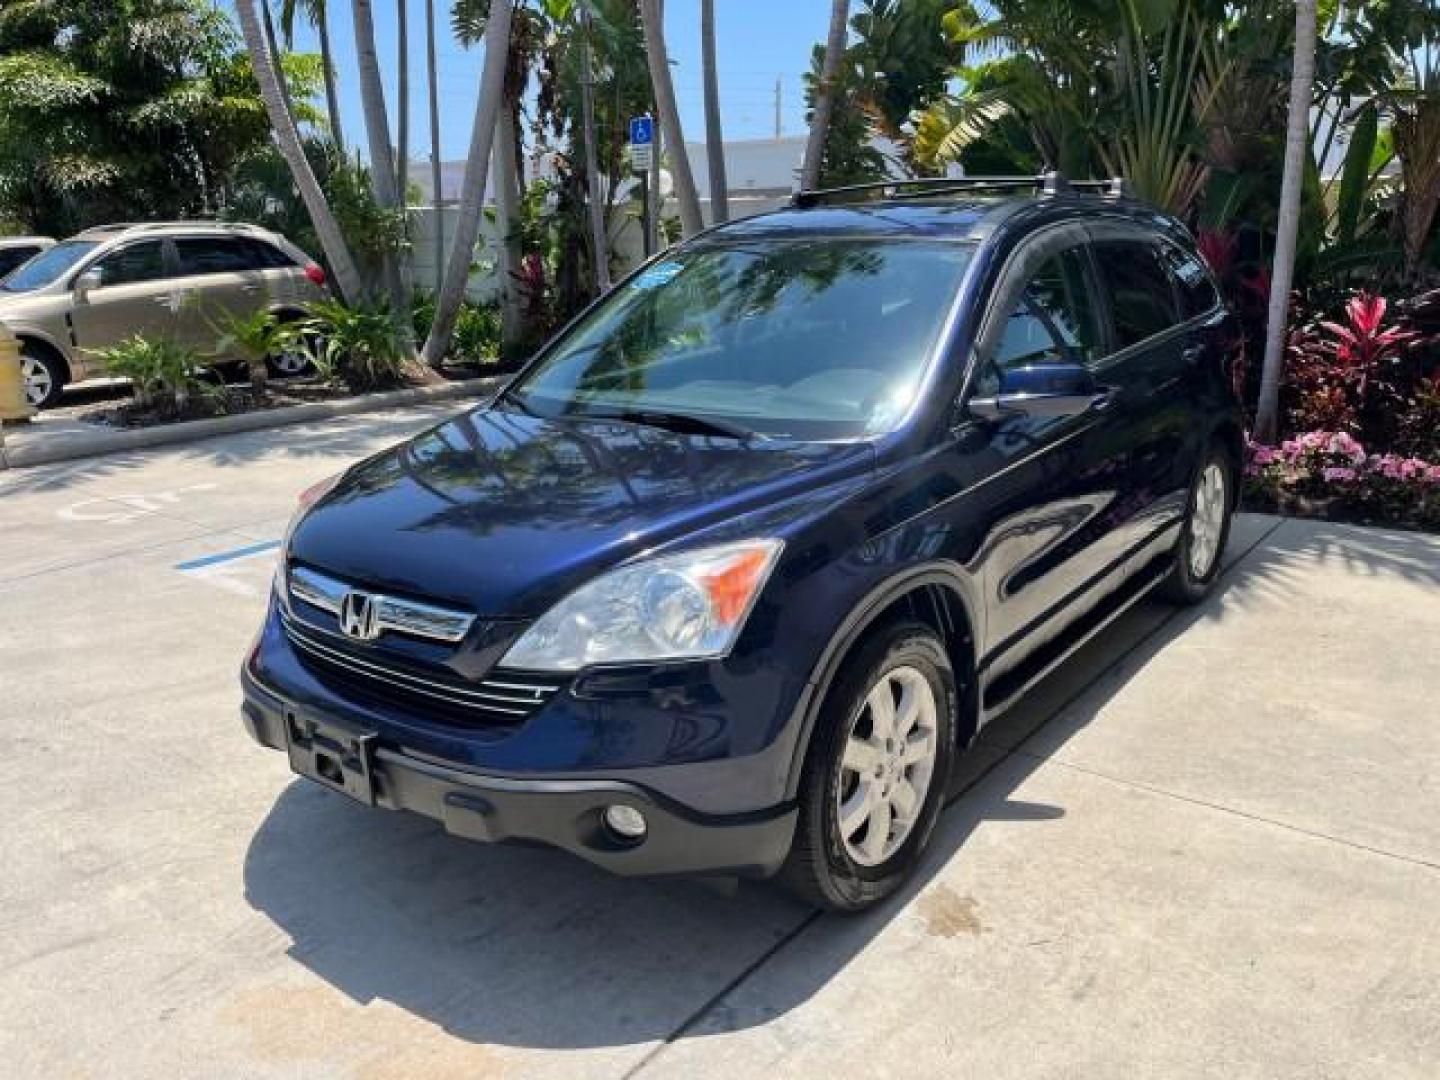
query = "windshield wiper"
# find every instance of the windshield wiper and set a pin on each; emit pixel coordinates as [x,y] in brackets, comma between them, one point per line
[684,423]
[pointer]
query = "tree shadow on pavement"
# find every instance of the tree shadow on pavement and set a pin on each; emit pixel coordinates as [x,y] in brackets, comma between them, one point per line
[352,436]
[531,948]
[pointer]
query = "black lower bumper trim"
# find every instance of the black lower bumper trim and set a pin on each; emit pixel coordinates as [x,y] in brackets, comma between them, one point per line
[567,814]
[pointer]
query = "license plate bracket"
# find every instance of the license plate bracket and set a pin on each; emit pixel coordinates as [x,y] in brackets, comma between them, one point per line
[334,753]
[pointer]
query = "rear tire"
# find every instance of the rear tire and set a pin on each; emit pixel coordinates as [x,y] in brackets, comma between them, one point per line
[293,361]
[43,376]
[875,777]
[1209,508]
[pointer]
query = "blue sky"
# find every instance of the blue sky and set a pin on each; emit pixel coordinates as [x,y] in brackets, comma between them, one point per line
[756,41]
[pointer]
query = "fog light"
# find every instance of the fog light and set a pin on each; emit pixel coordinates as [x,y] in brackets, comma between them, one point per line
[625,821]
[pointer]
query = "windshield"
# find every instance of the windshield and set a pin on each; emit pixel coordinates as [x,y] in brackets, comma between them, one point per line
[47,266]
[817,338]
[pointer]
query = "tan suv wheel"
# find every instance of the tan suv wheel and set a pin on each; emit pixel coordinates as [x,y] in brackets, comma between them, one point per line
[44,377]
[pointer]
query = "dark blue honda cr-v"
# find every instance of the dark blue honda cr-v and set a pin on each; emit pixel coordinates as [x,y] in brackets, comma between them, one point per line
[747,555]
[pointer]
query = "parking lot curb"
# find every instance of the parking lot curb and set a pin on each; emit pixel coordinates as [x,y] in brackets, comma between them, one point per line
[113,442]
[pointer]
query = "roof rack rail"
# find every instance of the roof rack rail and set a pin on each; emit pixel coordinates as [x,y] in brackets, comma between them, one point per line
[1050,183]
[150,226]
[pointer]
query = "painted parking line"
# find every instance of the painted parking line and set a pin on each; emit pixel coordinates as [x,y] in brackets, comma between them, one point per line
[246,552]
[243,571]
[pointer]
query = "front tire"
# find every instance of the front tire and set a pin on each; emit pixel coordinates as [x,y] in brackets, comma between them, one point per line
[43,377]
[1205,531]
[876,773]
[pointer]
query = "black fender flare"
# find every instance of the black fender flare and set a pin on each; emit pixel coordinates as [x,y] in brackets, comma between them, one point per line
[947,575]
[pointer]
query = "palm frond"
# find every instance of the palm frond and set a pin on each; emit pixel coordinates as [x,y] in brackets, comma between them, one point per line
[947,128]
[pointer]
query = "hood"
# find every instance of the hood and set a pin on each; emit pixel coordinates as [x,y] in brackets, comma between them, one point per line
[503,513]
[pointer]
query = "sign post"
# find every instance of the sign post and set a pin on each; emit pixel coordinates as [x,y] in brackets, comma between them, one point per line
[642,157]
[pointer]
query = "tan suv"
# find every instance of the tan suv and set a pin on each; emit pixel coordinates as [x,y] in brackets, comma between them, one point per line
[171,280]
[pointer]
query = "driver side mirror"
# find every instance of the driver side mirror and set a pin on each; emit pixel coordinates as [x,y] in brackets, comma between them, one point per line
[1041,390]
[91,279]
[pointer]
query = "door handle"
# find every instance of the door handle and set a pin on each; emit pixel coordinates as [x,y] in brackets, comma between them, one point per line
[1193,354]
[1104,398]
[250,287]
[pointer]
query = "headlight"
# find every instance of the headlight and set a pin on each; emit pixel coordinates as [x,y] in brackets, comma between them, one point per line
[307,498]
[677,607]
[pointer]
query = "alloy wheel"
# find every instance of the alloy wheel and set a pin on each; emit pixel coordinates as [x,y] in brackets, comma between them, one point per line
[38,380]
[887,765]
[1207,520]
[290,362]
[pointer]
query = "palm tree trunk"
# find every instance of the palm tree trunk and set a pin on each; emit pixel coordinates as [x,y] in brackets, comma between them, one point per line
[402,104]
[332,91]
[435,173]
[275,56]
[1297,145]
[1416,132]
[507,206]
[690,219]
[472,193]
[337,251]
[825,96]
[377,133]
[599,244]
[714,140]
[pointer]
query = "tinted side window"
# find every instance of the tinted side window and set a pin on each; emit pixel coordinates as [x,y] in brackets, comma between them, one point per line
[10,258]
[1193,283]
[1054,321]
[267,256]
[1141,297]
[214,255]
[132,263]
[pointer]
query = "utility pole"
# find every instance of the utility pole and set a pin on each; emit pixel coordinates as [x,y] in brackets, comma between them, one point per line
[777,107]
[592,169]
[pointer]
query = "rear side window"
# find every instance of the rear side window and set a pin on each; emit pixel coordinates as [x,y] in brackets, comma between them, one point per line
[267,256]
[215,255]
[1141,298]
[133,263]
[1192,282]
[10,258]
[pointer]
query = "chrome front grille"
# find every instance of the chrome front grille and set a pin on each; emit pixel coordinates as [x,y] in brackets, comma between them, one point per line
[501,699]
[391,613]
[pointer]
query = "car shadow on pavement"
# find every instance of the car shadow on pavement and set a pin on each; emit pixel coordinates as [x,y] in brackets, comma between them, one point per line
[531,948]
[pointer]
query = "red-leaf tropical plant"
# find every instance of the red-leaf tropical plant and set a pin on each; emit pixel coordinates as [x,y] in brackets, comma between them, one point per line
[1350,374]
[1362,343]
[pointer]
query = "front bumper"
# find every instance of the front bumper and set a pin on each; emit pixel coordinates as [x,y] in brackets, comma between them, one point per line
[562,813]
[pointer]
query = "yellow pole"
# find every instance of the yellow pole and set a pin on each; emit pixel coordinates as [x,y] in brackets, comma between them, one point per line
[13,405]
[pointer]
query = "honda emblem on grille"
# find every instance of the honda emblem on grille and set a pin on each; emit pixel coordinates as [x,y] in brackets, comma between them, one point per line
[359,616]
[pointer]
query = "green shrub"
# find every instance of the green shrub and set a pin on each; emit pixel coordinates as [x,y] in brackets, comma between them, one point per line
[254,337]
[161,370]
[477,328]
[361,343]
[422,313]
[477,333]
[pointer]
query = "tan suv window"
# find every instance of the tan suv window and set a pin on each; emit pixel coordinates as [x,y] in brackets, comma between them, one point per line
[135,262]
[215,255]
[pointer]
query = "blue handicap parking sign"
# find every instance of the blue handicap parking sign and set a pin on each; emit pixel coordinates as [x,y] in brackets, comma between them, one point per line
[642,130]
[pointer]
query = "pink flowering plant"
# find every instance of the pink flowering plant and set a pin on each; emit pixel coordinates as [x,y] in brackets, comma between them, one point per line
[1330,472]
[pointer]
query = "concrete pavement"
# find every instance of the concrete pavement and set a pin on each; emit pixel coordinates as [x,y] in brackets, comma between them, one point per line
[1206,847]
